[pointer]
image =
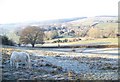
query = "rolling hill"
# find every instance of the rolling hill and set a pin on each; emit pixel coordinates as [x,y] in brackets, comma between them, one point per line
[13,26]
[101,22]
[77,21]
[92,20]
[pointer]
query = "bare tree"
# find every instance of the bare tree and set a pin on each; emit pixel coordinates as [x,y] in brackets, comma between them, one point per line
[32,35]
[94,33]
[51,35]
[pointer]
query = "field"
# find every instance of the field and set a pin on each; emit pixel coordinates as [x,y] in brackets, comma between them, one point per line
[63,64]
[105,41]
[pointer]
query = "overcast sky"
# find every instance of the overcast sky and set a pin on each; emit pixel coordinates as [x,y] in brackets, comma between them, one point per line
[12,11]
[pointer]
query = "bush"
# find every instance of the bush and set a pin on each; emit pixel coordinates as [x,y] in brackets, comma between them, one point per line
[105,37]
[66,40]
[6,41]
[57,41]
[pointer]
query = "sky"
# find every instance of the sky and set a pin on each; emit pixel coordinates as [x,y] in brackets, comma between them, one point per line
[14,11]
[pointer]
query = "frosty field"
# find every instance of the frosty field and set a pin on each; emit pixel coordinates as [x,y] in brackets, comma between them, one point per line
[63,64]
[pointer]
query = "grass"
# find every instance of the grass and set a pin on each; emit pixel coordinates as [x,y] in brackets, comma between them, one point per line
[86,21]
[107,25]
[59,39]
[105,41]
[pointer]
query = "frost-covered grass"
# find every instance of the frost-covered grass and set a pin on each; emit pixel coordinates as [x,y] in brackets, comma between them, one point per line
[57,64]
[101,68]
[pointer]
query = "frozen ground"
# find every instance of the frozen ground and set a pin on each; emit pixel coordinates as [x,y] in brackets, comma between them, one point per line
[57,64]
[101,64]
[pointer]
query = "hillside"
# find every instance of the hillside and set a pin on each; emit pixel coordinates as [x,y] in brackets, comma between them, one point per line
[14,26]
[77,21]
[92,20]
[80,25]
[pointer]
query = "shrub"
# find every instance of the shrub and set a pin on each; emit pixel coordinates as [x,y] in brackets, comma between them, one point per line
[6,41]
[66,40]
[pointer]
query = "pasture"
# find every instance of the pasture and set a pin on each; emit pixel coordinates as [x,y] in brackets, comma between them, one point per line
[63,64]
[103,41]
